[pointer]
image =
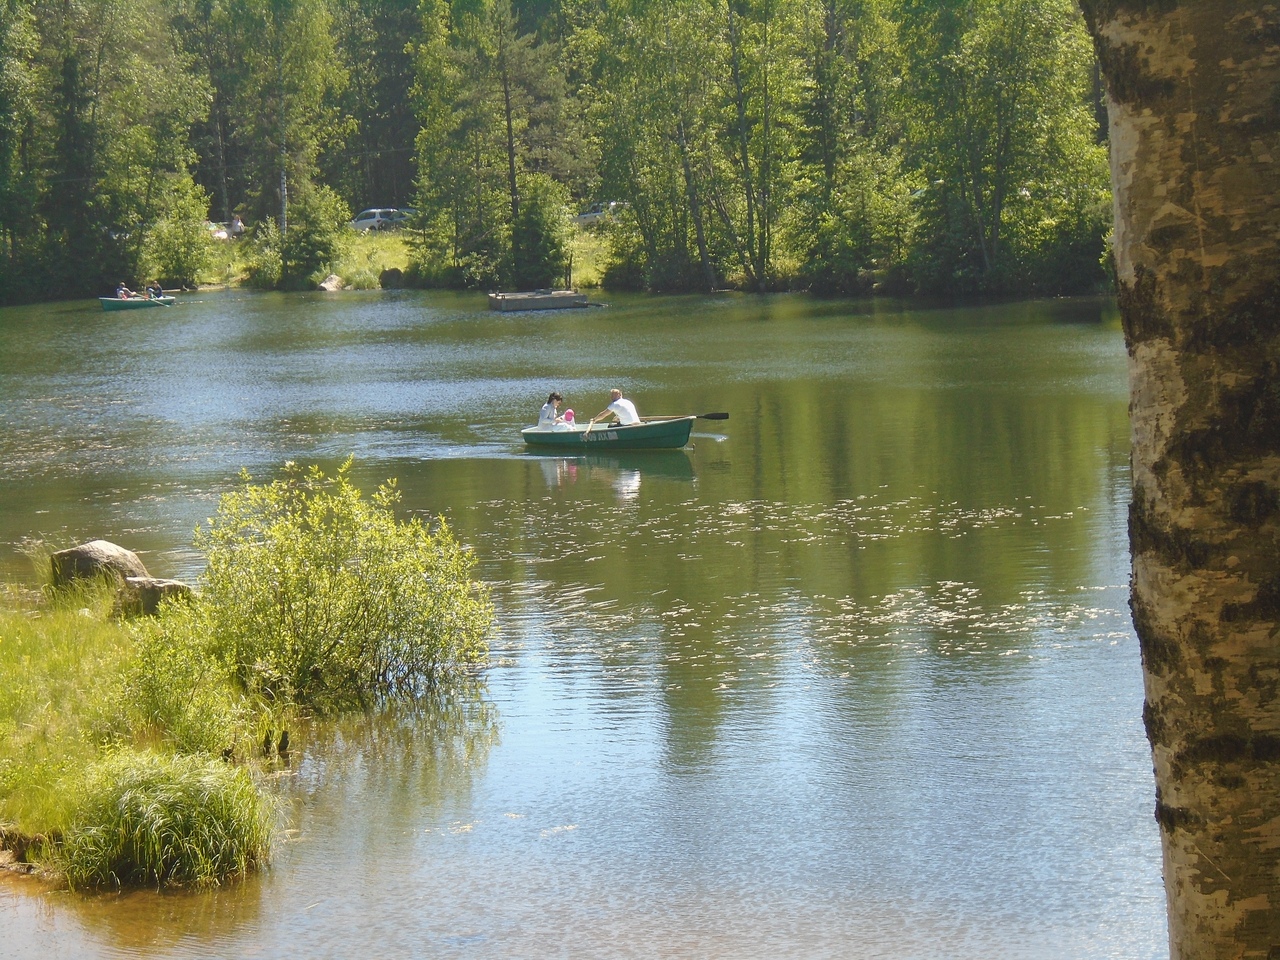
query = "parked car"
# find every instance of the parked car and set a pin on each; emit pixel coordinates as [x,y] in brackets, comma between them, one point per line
[376,218]
[597,212]
[403,216]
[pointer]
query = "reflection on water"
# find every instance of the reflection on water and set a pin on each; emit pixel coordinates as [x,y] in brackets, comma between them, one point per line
[624,469]
[850,676]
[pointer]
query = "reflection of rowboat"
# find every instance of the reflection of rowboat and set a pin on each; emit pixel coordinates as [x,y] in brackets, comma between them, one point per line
[652,433]
[134,303]
[662,464]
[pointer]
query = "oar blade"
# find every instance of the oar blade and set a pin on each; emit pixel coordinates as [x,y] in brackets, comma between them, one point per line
[712,416]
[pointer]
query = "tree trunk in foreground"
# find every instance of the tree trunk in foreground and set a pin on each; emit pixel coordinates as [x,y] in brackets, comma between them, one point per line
[1194,91]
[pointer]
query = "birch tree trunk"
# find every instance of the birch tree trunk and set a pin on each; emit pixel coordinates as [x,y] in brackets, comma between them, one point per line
[1194,96]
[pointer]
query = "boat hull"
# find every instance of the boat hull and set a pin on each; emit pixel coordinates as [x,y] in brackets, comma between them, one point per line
[134,303]
[655,434]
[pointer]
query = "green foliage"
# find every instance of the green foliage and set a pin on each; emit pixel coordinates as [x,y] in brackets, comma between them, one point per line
[830,145]
[374,165]
[174,693]
[539,237]
[498,122]
[17,110]
[1003,130]
[150,818]
[315,594]
[264,262]
[317,237]
[283,100]
[54,659]
[179,248]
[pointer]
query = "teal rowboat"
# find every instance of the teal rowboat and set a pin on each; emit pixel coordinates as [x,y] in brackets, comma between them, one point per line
[652,433]
[134,303]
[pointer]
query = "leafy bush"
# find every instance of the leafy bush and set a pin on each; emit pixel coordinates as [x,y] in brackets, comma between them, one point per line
[317,595]
[264,260]
[540,237]
[316,238]
[145,818]
[299,259]
[178,249]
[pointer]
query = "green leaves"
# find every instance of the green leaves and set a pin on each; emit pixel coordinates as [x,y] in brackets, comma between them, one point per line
[831,145]
[1000,123]
[318,595]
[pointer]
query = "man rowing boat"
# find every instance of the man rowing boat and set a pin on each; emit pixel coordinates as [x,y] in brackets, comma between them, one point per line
[620,407]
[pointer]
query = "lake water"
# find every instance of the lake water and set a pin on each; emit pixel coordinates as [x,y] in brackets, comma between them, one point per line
[852,676]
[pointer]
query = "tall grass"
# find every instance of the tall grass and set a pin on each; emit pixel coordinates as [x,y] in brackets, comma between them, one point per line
[589,248]
[150,818]
[84,691]
[368,254]
[57,660]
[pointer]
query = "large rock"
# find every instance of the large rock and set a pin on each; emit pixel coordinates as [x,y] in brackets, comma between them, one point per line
[142,595]
[331,283]
[96,558]
[391,278]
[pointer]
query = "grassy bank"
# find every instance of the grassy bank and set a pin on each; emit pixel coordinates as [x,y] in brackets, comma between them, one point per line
[132,751]
[369,253]
[89,787]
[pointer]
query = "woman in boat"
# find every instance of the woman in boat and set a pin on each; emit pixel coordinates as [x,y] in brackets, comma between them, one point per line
[550,414]
[619,407]
[154,290]
[123,292]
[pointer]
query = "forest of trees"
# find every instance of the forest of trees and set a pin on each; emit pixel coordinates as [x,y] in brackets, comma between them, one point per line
[836,146]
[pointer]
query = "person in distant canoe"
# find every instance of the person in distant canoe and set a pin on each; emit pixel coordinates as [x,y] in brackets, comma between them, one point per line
[154,290]
[550,414]
[619,407]
[123,292]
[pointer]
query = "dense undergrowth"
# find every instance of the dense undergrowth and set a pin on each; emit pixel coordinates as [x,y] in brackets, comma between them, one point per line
[134,752]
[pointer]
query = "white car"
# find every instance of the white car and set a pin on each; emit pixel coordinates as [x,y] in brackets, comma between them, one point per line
[597,212]
[377,218]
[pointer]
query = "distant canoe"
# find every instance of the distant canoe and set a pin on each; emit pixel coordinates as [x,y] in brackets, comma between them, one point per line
[654,433]
[134,303]
[537,300]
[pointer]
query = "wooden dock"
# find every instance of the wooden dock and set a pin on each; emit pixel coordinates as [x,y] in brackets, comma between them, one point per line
[537,300]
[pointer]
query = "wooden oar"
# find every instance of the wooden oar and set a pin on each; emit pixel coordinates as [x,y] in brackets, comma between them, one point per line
[697,416]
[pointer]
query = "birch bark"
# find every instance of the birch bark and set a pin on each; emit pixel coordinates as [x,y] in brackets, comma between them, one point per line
[1194,98]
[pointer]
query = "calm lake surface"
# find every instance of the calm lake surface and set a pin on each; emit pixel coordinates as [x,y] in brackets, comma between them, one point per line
[850,677]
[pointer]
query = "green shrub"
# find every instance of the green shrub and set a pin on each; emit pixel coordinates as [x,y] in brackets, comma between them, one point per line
[264,262]
[146,818]
[540,237]
[314,594]
[179,248]
[316,239]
